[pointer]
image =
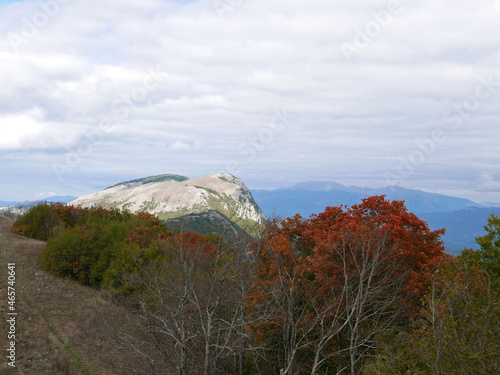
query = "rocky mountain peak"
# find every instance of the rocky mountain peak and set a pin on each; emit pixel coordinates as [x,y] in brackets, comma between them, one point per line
[171,196]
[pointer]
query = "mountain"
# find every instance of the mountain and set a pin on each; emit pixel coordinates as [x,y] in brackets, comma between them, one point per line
[307,198]
[173,196]
[27,204]
[6,203]
[489,204]
[15,209]
[462,226]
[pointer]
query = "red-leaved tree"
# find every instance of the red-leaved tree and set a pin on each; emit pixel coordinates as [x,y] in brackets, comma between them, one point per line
[326,286]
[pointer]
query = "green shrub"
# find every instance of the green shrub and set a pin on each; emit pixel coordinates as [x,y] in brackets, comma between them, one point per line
[37,223]
[96,245]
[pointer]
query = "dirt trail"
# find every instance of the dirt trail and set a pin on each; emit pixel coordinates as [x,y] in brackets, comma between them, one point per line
[55,318]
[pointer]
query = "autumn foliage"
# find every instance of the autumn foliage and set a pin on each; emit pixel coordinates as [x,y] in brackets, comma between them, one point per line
[331,283]
[365,289]
[374,231]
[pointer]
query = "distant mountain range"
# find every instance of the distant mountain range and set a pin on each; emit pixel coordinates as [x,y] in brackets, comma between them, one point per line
[14,209]
[27,204]
[463,218]
[462,226]
[308,198]
[6,203]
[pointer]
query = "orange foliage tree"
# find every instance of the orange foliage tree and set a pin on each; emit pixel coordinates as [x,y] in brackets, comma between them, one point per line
[329,284]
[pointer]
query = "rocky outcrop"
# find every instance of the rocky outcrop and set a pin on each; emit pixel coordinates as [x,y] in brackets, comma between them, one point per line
[178,196]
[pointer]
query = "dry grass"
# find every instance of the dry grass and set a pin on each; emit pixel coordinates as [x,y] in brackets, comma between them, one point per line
[58,321]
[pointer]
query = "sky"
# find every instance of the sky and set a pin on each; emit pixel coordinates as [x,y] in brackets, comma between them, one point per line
[368,93]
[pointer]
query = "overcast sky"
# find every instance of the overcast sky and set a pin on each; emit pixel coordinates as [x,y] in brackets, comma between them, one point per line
[367,93]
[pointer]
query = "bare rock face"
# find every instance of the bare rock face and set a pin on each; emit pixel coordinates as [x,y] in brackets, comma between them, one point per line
[171,196]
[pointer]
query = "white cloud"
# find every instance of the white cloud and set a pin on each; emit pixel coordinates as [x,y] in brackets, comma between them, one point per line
[47,195]
[29,130]
[222,80]
[487,183]
[21,130]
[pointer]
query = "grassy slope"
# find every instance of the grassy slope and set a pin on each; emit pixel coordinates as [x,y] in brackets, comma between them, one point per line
[151,179]
[60,328]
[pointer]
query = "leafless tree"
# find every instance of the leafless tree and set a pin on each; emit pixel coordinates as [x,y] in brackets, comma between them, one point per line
[190,304]
[371,284]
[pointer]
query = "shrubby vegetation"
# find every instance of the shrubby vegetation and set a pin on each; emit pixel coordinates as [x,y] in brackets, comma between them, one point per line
[38,222]
[365,289]
[93,246]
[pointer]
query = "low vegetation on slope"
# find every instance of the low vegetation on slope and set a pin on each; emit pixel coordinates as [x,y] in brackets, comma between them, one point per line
[94,246]
[152,179]
[60,327]
[359,290]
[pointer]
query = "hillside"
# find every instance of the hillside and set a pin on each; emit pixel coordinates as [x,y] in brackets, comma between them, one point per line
[62,327]
[205,223]
[175,285]
[173,196]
